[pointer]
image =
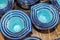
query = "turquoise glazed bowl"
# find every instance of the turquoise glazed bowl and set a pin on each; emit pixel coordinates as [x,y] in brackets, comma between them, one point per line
[15,24]
[44,16]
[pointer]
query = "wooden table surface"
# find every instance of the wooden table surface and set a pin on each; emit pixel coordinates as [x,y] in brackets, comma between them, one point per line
[44,35]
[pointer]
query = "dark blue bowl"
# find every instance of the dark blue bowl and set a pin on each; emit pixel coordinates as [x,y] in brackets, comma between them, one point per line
[26,4]
[44,16]
[6,5]
[15,24]
[32,38]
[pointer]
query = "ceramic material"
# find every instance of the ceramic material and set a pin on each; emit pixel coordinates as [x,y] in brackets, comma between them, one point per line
[56,3]
[32,38]
[44,16]
[27,3]
[16,24]
[6,5]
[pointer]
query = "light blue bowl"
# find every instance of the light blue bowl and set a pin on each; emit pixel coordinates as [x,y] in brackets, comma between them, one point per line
[44,16]
[16,24]
[6,5]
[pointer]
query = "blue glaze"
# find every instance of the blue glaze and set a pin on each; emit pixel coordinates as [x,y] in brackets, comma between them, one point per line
[3,3]
[32,38]
[15,24]
[14,39]
[44,15]
[58,1]
[27,3]
[45,10]
[6,5]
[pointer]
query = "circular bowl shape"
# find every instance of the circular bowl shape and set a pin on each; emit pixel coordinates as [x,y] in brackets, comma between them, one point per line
[6,5]
[44,16]
[32,38]
[26,4]
[16,24]
[57,39]
[56,3]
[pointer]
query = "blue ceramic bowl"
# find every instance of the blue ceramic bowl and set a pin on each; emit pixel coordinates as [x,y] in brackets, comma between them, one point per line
[56,3]
[15,24]
[32,38]
[44,16]
[6,5]
[27,3]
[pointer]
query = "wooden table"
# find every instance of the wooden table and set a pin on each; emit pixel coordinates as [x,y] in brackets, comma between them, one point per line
[44,35]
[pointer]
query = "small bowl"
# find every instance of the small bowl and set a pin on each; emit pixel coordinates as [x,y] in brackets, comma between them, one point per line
[16,24]
[44,16]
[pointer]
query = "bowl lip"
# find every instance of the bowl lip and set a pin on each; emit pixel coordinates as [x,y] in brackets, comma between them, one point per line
[25,32]
[55,3]
[32,14]
[32,37]
[33,2]
[28,6]
[8,7]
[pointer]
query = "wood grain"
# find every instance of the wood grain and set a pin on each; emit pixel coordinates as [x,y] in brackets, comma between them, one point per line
[44,35]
